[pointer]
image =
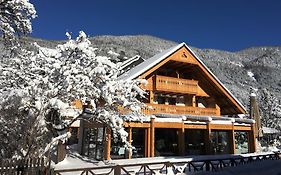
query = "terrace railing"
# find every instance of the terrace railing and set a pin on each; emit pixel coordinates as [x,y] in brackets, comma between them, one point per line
[173,109]
[201,163]
[171,84]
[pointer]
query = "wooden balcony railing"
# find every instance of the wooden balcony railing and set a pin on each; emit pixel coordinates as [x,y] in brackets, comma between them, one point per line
[171,84]
[173,109]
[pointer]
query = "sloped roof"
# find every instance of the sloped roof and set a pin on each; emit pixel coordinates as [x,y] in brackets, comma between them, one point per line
[153,61]
[149,63]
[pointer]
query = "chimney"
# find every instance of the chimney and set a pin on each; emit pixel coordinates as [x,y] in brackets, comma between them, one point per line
[255,114]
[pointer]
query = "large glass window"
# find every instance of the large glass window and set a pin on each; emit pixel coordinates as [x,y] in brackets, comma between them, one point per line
[220,142]
[166,142]
[93,143]
[118,149]
[74,136]
[138,142]
[194,142]
[241,142]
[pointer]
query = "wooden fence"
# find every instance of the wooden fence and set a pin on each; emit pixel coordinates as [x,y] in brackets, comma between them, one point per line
[172,167]
[34,166]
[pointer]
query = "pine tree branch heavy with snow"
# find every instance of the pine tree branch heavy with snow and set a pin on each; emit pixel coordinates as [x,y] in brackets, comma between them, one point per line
[15,19]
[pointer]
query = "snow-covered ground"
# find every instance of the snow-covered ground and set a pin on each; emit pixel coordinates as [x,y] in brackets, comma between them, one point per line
[265,167]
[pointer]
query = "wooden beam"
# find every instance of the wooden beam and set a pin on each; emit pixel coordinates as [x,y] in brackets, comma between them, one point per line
[107,143]
[152,136]
[129,150]
[151,96]
[147,142]
[91,124]
[181,140]
[194,101]
[61,151]
[81,139]
[195,126]
[208,139]
[242,128]
[252,140]
[221,126]
[167,125]
[136,125]
[232,140]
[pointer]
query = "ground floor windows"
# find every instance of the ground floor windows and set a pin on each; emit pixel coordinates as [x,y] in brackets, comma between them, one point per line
[92,145]
[74,136]
[119,151]
[138,142]
[153,141]
[241,142]
[195,142]
[220,142]
[166,142]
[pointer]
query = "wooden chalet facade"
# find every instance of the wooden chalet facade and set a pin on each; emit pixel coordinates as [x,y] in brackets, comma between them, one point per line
[189,112]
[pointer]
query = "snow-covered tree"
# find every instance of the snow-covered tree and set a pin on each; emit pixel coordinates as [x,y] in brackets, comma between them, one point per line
[37,88]
[73,71]
[271,109]
[52,78]
[15,19]
[22,135]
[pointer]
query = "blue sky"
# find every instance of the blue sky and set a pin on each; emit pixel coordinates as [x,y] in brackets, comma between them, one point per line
[221,24]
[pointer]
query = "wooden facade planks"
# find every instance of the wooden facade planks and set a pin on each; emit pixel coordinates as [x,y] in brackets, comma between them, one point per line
[107,144]
[173,109]
[152,136]
[177,85]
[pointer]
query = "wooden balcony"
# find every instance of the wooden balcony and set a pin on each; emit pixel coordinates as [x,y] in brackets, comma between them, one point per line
[171,84]
[173,109]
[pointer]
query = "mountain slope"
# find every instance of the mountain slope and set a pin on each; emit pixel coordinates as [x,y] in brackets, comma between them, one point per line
[254,68]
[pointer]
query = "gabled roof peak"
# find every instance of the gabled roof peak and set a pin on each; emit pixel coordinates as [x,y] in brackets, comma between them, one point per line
[149,63]
[153,61]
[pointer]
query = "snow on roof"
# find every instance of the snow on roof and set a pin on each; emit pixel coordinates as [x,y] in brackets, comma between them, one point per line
[222,122]
[268,130]
[191,118]
[175,120]
[130,61]
[76,123]
[151,62]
